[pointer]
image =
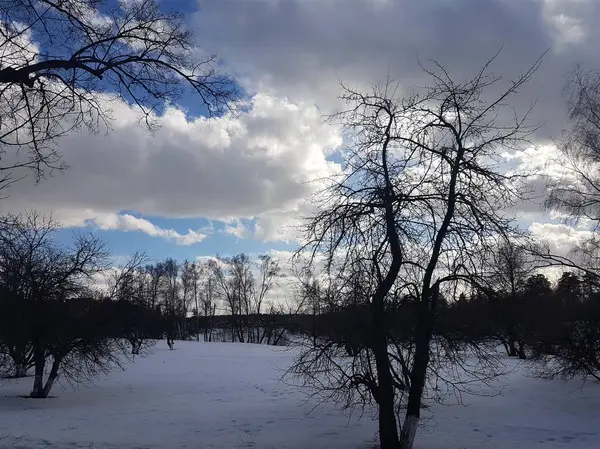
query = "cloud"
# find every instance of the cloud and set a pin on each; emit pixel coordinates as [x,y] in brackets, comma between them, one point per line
[253,170]
[127,222]
[301,48]
[304,48]
[263,160]
[560,237]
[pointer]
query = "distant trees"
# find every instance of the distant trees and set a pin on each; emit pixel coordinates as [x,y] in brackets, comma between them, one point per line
[130,286]
[63,62]
[208,301]
[244,294]
[192,299]
[510,266]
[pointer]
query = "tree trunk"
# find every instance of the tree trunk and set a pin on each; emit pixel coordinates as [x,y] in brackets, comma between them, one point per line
[388,427]
[20,371]
[415,393]
[418,375]
[136,346]
[38,381]
[51,378]
[512,348]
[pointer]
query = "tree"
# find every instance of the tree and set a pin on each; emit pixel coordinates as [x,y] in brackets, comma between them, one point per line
[155,273]
[243,294]
[268,271]
[49,284]
[20,239]
[170,290]
[510,266]
[579,195]
[209,300]
[576,196]
[421,195]
[567,340]
[196,272]
[187,293]
[137,320]
[62,63]
[569,288]
[590,284]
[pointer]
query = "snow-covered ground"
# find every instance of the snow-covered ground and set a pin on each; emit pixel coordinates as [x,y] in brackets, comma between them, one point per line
[226,396]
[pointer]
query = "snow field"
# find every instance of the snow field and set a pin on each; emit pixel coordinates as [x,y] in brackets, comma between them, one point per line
[227,396]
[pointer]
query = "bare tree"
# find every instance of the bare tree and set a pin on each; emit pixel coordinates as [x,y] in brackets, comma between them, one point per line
[51,283]
[579,195]
[20,238]
[268,273]
[510,266]
[62,63]
[155,273]
[171,297]
[128,286]
[235,281]
[196,272]
[187,293]
[422,193]
[209,300]
[576,195]
[243,294]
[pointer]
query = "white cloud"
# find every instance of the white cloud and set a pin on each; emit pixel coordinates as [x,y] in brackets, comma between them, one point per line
[127,222]
[561,238]
[249,165]
[568,20]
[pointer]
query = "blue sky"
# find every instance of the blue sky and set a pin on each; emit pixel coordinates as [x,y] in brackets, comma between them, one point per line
[123,243]
[239,183]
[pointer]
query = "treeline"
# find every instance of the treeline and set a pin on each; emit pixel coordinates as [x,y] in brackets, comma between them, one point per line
[555,326]
[222,298]
[558,327]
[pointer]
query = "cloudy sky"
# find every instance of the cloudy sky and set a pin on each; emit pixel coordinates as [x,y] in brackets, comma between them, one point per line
[238,183]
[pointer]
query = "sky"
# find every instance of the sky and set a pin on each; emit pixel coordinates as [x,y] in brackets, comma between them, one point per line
[232,184]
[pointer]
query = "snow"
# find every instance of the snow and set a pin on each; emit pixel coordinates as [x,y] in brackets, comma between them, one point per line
[226,395]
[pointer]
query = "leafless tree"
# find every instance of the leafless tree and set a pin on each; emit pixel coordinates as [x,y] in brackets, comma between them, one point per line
[243,294]
[576,194]
[62,64]
[51,283]
[268,272]
[510,265]
[155,274]
[196,272]
[423,191]
[129,286]
[579,194]
[187,292]
[209,300]
[20,238]
[170,290]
